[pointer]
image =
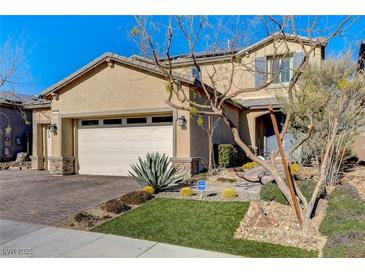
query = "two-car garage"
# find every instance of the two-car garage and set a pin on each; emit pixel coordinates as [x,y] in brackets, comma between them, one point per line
[109,146]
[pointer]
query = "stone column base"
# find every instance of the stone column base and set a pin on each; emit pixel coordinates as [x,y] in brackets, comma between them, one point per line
[37,162]
[190,166]
[61,165]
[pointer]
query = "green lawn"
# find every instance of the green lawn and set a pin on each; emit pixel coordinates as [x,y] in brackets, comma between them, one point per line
[344,224]
[198,224]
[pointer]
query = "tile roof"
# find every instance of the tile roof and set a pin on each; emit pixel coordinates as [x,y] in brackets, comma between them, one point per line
[224,54]
[9,97]
[119,59]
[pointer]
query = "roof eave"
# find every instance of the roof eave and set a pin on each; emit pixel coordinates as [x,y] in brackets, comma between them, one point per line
[106,58]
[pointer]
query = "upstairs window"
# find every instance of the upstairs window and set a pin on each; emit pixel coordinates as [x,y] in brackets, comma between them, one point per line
[279,68]
[195,73]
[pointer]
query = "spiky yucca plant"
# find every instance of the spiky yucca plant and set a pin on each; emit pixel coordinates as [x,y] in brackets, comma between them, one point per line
[156,171]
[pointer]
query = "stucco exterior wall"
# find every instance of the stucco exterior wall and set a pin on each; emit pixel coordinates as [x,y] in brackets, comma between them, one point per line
[110,91]
[221,135]
[41,119]
[244,73]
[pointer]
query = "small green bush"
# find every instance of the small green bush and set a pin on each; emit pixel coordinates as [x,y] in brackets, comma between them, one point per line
[186,191]
[115,206]
[271,192]
[136,197]
[249,165]
[230,155]
[149,189]
[229,193]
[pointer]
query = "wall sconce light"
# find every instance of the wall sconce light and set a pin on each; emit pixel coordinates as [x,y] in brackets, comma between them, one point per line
[52,128]
[181,121]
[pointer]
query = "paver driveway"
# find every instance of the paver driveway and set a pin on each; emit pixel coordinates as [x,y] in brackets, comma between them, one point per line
[38,197]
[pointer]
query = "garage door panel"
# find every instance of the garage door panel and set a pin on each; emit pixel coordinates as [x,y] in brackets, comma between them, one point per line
[111,151]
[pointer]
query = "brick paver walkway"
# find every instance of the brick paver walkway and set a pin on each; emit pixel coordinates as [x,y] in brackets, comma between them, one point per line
[38,197]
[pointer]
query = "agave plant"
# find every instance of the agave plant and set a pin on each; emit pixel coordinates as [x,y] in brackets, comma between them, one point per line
[156,170]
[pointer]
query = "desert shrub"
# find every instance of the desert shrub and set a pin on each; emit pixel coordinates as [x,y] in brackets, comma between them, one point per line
[229,193]
[294,168]
[249,165]
[136,197]
[230,155]
[303,155]
[157,171]
[186,191]
[149,189]
[271,192]
[115,206]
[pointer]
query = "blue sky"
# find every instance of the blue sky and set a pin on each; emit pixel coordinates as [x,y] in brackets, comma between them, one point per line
[58,45]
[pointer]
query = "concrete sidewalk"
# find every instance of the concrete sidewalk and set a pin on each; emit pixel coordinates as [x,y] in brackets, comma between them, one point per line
[39,241]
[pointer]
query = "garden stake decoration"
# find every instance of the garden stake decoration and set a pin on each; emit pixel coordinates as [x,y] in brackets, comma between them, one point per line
[285,166]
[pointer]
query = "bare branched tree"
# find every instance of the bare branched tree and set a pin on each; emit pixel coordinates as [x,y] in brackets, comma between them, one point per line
[221,85]
[14,71]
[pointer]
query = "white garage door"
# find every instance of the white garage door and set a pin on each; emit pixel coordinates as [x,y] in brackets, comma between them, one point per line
[111,150]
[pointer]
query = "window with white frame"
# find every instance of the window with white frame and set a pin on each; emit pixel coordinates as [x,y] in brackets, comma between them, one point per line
[279,69]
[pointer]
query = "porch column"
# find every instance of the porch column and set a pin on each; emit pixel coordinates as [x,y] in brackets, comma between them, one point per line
[62,161]
[38,156]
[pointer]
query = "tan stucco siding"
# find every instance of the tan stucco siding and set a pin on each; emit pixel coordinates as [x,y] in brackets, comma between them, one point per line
[112,88]
[112,91]
[221,135]
[183,136]
[40,117]
[244,73]
[249,131]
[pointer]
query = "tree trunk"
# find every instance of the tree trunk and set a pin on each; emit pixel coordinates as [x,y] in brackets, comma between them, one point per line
[270,168]
[210,145]
[323,171]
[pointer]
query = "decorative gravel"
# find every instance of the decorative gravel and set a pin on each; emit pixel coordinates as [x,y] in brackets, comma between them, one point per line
[244,193]
[287,232]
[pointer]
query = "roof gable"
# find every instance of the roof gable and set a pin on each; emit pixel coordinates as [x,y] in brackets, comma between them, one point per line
[110,58]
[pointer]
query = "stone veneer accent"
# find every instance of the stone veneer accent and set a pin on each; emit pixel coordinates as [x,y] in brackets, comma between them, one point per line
[37,162]
[188,165]
[62,165]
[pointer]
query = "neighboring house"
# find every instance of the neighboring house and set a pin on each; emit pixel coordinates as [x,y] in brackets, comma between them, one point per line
[15,125]
[101,118]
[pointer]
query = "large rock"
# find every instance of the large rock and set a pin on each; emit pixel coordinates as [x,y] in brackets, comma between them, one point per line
[256,217]
[22,157]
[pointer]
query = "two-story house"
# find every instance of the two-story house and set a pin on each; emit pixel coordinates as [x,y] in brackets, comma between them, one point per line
[101,118]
